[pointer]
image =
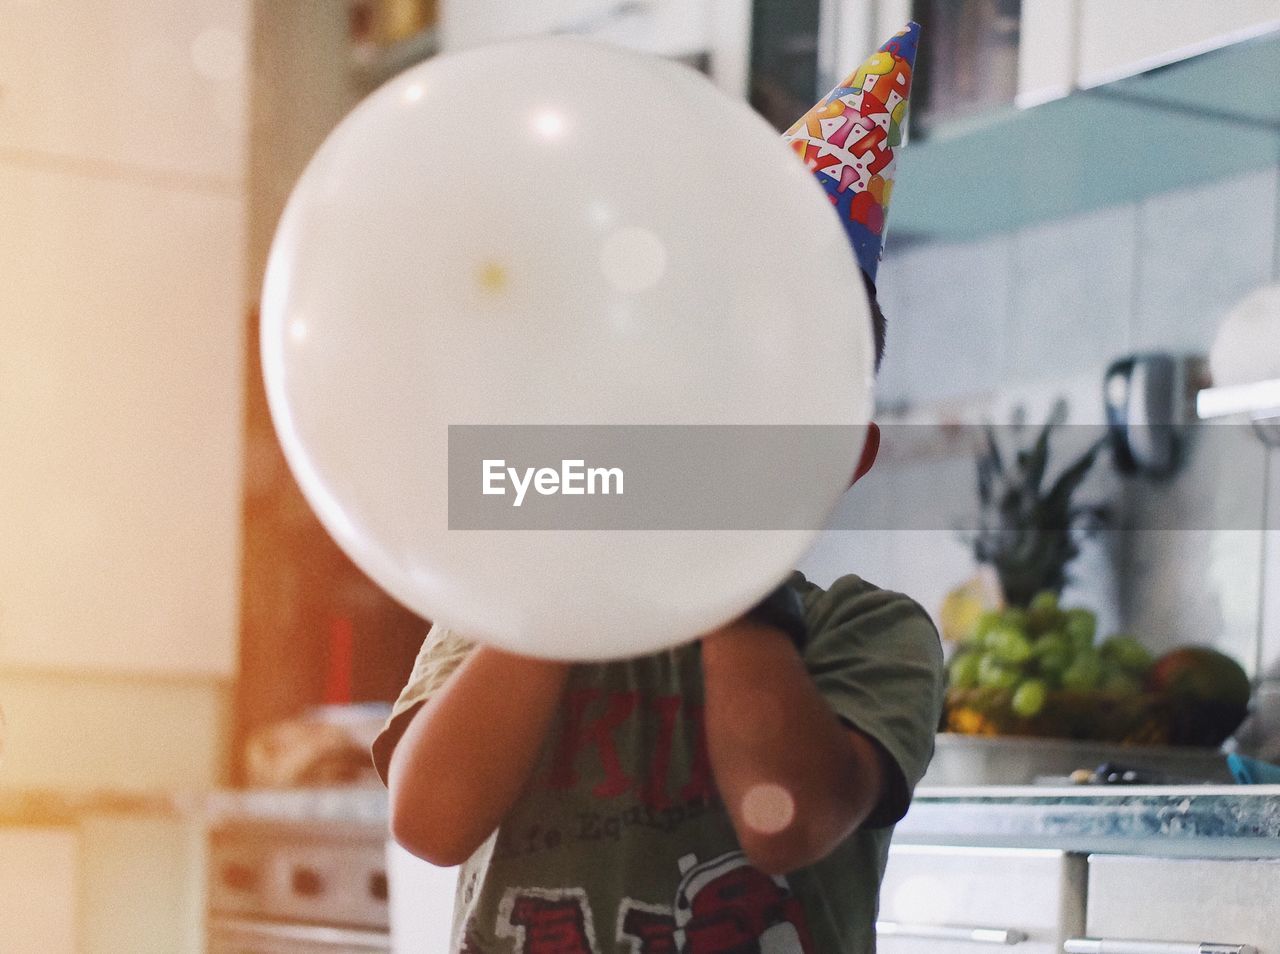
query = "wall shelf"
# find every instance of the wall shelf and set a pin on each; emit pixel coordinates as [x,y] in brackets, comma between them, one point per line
[1209,117]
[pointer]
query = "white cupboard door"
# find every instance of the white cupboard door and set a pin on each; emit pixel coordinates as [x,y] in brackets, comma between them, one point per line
[121,354]
[157,85]
[467,23]
[663,27]
[1123,37]
[947,900]
[1184,901]
[1046,50]
[38,890]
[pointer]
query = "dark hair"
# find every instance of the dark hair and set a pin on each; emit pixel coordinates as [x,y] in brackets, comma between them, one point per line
[877,318]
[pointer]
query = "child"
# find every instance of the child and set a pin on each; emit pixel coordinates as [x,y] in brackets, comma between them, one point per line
[732,795]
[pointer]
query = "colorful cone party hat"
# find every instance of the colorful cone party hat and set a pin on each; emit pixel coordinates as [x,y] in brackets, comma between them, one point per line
[848,140]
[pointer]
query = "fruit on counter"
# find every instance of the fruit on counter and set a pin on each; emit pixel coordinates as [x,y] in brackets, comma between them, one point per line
[1127,653]
[963,670]
[1007,643]
[1207,690]
[1081,627]
[1042,613]
[988,621]
[1040,671]
[1029,698]
[1085,672]
[993,674]
[1001,648]
[1119,683]
[1200,674]
[963,608]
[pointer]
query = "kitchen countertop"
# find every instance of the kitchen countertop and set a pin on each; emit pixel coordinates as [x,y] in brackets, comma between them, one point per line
[1235,821]
[54,807]
[1241,821]
[352,805]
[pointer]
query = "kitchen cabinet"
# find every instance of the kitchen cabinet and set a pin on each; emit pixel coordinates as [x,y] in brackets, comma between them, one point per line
[665,27]
[123,146]
[1048,155]
[1046,51]
[120,423]
[141,883]
[714,35]
[38,890]
[1119,38]
[151,85]
[1185,900]
[944,899]
[1066,44]
[84,879]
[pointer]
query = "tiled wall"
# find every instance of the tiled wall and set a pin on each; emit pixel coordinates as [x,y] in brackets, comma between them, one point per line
[1021,317]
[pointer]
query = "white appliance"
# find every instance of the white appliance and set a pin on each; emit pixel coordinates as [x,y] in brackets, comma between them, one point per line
[421,903]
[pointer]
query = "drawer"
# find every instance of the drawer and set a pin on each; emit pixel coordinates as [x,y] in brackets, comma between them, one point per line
[951,900]
[1185,900]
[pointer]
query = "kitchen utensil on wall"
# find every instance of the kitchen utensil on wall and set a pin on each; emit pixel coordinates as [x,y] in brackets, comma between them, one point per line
[1145,396]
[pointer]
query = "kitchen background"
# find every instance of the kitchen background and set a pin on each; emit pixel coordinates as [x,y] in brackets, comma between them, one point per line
[167,594]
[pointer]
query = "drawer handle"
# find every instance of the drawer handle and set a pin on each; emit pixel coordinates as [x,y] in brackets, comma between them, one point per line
[1104,945]
[935,932]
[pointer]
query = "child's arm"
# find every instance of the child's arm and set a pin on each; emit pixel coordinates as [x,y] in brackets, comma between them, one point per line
[468,751]
[794,779]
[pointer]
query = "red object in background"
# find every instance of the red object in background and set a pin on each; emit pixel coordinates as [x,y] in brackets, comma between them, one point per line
[337,684]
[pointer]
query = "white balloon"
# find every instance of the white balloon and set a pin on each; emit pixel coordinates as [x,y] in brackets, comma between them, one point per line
[556,232]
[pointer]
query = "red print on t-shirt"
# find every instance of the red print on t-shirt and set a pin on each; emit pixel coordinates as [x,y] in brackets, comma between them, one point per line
[593,721]
[548,922]
[726,906]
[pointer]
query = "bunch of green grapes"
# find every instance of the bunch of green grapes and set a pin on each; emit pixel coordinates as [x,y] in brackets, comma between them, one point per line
[1042,648]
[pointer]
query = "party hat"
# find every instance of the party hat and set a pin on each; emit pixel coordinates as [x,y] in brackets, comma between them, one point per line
[848,140]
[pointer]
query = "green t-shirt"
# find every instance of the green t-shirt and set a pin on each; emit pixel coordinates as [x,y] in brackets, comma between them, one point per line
[620,843]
